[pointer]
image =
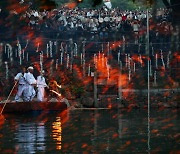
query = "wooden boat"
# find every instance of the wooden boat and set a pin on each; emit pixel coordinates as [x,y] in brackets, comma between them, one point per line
[20,107]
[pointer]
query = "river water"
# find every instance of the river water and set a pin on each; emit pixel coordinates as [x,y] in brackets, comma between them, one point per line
[91,131]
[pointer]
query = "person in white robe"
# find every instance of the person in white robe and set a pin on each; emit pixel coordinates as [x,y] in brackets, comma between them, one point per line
[41,84]
[22,85]
[31,82]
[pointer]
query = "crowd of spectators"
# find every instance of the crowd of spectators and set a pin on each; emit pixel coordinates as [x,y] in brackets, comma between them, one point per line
[103,25]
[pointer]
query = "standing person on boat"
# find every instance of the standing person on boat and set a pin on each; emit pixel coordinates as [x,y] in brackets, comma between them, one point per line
[22,85]
[41,84]
[31,82]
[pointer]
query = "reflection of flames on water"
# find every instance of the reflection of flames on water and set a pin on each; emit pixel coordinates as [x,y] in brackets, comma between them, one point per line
[57,133]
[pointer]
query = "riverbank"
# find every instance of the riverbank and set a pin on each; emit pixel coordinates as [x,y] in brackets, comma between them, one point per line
[131,98]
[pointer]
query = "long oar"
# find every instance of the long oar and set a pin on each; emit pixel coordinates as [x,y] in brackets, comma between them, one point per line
[9,96]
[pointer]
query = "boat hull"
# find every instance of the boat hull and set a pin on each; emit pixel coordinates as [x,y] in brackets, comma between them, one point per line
[20,107]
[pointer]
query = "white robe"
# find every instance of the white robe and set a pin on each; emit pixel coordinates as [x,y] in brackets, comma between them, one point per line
[22,87]
[30,92]
[41,84]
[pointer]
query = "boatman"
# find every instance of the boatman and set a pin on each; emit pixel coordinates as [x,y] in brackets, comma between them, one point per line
[22,85]
[31,82]
[41,84]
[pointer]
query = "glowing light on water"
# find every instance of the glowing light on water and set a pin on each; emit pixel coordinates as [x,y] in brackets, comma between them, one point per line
[57,132]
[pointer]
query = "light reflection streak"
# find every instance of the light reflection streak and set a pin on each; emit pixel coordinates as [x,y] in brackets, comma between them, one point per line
[31,137]
[57,133]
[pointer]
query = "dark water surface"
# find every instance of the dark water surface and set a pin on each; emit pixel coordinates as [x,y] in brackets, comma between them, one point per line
[95,131]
